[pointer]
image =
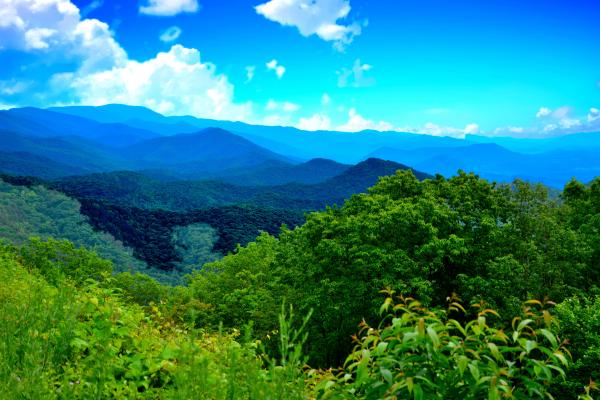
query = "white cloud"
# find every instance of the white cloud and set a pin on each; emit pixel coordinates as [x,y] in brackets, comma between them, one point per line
[250,69]
[325,99]
[38,38]
[593,115]
[433,129]
[562,112]
[54,28]
[274,120]
[568,123]
[274,65]
[516,129]
[317,122]
[168,8]
[314,17]
[174,82]
[471,129]
[357,123]
[543,112]
[355,76]
[4,106]
[286,106]
[170,34]
[561,121]
[97,47]
[12,87]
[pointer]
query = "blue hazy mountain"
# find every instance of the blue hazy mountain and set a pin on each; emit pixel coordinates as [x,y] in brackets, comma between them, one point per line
[27,164]
[211,149]
[276,172]
[495,162]
[43,123]
[177,152]
[575,141]
[134,116]
[72,151]
[339,146]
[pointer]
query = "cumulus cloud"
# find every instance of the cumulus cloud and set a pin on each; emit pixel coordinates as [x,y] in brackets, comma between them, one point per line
[170,34]
[250,69]
[286,106]
[568,123]
[274,65]
[593,115]
[315,17]
[316,122]
[325,99]
[471,129]
[174,82]
[543,112]
[559,120]
[168,8]
[355,76]
[12,87]
[357,123]
[55,27]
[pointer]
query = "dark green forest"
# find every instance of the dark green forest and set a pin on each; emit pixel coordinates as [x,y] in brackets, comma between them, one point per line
[442,288]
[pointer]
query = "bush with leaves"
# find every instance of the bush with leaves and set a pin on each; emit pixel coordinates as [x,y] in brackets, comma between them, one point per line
[418,353]
[580,324]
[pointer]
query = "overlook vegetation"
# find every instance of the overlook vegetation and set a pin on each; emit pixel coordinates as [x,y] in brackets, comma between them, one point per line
[526,260]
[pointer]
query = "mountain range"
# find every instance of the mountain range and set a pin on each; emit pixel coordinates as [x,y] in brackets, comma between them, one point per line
[76,140]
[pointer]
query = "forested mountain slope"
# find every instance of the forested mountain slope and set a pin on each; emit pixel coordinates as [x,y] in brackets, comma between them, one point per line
[36,211]
[136,189]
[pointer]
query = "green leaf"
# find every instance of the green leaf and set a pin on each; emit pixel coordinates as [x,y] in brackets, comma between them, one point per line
[433,336]
[387,375]
[530,345]
[550,336]
[418,392]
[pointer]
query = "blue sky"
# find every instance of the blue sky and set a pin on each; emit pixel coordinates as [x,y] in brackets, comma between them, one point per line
[502,67]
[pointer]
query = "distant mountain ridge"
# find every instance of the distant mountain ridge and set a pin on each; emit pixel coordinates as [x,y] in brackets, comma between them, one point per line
[120,137]
[36,122]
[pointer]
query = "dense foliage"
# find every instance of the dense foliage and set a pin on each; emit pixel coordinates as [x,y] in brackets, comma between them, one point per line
[36,211]
[150,232]
[500,244]
[168,242]
[70,331]
[65,336]
[493,246]
[421,354]
[138,190]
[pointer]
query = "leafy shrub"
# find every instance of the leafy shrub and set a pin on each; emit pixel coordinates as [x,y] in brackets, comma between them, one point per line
[58,259]
[418,353]
[580,324]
